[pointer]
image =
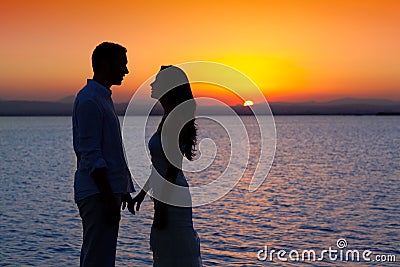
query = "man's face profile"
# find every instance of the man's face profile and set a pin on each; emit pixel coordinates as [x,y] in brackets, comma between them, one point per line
[118,69]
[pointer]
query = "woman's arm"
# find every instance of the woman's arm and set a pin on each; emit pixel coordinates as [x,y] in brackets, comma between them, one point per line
[138,199]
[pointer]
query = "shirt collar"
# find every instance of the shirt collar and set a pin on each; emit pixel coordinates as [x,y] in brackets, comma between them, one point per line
[99,87]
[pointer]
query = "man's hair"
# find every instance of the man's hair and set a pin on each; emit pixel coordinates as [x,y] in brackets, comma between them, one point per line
[105,51]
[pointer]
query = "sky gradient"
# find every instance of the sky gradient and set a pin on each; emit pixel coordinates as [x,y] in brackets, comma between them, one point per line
[293,50]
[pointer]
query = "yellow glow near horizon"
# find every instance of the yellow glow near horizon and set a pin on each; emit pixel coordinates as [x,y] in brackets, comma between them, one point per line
[248,103]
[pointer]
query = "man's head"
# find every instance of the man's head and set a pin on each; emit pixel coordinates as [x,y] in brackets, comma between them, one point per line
[109,63]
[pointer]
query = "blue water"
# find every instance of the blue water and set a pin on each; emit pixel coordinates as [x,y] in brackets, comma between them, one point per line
[333,177]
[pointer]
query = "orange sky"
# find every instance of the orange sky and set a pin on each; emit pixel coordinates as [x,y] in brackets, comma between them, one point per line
[293,50]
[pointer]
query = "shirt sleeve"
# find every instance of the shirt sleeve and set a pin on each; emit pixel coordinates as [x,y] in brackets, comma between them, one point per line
[90,127]
[130,187]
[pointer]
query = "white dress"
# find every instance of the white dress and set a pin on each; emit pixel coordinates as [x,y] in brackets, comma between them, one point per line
[178,243]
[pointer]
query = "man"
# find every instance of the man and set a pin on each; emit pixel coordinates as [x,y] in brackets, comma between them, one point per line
[102,179]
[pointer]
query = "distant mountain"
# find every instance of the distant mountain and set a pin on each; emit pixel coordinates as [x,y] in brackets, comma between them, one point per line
[358,101]
[344,106]
[67,99]
[34,108]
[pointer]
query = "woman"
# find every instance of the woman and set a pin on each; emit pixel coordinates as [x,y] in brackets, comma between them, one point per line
[173,240]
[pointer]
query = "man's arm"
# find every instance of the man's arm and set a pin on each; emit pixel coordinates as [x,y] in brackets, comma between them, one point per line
[90,128]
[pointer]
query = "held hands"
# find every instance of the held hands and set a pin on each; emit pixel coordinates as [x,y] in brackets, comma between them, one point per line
[127,201]
[160,214]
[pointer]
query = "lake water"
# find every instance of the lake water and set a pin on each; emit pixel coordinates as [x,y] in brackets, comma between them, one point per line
[333,177]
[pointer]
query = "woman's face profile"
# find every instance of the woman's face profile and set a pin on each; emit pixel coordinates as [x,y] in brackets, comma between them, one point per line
[155,88]
[158,87]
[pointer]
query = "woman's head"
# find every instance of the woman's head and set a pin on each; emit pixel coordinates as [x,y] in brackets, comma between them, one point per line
[172,88]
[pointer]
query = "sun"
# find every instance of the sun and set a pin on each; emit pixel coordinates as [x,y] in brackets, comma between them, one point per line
[248,103]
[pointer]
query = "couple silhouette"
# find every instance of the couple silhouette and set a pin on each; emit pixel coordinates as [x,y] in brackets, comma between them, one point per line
[103,183]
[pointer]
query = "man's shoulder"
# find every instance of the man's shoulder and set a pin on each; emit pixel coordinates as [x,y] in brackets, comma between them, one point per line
[86,97]
[87,94]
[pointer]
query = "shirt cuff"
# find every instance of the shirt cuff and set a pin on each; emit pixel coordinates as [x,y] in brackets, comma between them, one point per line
[130,188]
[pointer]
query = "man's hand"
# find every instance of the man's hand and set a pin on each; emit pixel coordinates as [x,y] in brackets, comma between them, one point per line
[127,201]
[126,198]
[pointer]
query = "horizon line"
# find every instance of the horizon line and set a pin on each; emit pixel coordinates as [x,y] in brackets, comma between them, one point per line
[64,100]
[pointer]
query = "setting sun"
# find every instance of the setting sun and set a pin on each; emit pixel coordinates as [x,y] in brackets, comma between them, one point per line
[248,103]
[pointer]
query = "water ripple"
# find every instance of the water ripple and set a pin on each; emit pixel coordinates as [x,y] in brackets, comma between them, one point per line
[333,177]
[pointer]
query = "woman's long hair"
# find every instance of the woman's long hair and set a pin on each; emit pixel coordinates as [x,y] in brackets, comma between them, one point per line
[177,95]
